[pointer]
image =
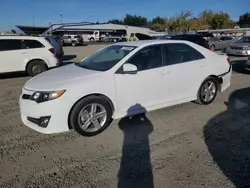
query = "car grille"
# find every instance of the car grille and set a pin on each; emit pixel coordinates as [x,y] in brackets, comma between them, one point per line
[236,48]
[25,96]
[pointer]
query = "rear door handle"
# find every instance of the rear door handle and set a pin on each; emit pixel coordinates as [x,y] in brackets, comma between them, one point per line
[164,72]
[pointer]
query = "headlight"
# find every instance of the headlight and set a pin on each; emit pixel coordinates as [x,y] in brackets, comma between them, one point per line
[40,96]
[245,47]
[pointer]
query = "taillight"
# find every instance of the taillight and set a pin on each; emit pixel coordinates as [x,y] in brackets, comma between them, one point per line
[52,50]
[228,59]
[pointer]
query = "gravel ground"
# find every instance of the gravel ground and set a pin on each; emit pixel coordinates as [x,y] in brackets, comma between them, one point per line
[187,145]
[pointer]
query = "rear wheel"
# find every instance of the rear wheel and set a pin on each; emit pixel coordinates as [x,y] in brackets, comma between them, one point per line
[207,92]
[90,116]
[36,67]
[73,43]
[212,48]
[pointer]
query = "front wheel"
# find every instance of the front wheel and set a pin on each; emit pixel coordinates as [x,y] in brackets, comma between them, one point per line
[212,48]
[36,67]
[74,44]
[90,116]
[207,92]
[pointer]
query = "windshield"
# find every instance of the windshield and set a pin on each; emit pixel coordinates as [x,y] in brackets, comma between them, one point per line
[164,37]
[244,40]
[106,58]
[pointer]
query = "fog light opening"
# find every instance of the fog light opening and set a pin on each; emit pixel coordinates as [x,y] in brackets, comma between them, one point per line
[44,121]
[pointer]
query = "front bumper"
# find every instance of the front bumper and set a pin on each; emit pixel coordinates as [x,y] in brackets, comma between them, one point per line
[32,114]
[247,65]
[237,52]
[226,79]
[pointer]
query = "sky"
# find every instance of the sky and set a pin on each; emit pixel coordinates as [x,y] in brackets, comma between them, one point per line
[41,12]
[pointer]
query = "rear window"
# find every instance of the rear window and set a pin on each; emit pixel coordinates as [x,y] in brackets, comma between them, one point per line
[10,44]
[33,44]
[53,41]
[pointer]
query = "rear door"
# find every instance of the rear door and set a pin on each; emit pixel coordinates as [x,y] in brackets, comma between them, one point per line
[186,68]
[34,49]
[12,54]
[226,41]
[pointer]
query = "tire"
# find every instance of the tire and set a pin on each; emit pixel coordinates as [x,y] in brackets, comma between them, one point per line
[200,96]
[36,67]
[114,40]
[91,39]
[212,48]
[82,110]
[73,44]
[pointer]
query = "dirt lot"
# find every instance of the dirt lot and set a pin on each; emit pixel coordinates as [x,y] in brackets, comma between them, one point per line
[183,146]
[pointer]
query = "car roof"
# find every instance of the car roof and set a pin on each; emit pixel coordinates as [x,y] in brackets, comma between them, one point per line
[20,37]
[142,43]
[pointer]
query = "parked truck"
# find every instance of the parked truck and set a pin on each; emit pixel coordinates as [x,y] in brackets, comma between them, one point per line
[113,36]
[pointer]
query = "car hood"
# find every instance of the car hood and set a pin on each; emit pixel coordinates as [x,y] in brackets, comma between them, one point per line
[58,78]
[240,44]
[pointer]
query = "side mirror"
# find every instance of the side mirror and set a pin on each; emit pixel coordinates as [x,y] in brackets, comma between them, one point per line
[129,68]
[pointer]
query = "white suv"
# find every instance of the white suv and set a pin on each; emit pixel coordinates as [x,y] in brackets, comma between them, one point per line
[26,53]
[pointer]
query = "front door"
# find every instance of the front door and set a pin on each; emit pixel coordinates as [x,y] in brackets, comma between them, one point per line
[11,55]
[146,88]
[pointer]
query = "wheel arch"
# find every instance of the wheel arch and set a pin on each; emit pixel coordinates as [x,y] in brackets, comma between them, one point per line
[218,79]
[107,99]
[36,59]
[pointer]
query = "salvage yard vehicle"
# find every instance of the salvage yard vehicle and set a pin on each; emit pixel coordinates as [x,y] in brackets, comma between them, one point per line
[114,36]
[219,43]
[33,55]
[121,80]
[240,47]
[195,38]
[73,40]
[247,65]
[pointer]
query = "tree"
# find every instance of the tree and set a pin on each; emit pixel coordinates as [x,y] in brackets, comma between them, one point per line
[216,20]
[135,20]
[206,17]
[115,21]
[197,24]
[159,24]
[244,20]
[220,21]
[159,20]
[180,23]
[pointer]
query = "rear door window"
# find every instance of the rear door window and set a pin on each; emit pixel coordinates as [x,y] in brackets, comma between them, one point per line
[10,44]
[180,53]
[31,44]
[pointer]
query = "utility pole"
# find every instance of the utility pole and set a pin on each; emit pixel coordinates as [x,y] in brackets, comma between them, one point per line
[50,27]
[33,21]
[61,17]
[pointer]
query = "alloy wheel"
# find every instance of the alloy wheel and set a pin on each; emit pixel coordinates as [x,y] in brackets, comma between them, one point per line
[208,91]
[92,117]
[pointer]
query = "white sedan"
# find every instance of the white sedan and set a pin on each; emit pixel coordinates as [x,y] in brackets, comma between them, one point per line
[121,80]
